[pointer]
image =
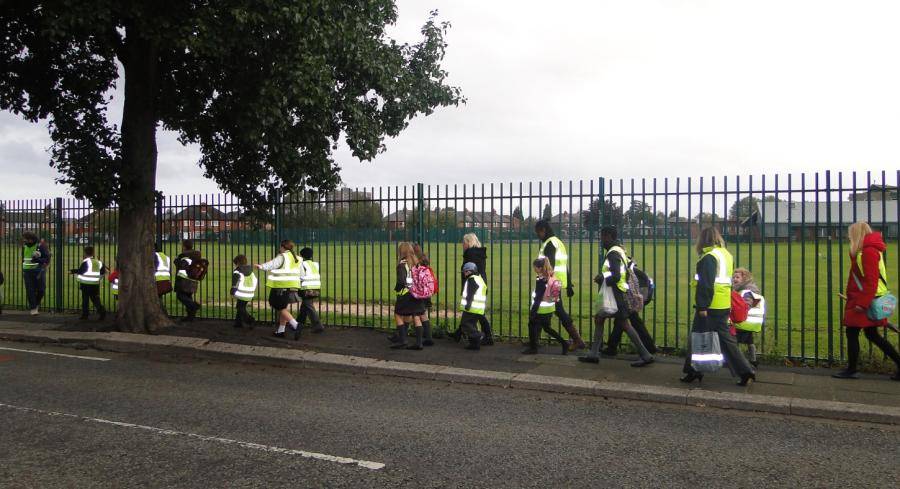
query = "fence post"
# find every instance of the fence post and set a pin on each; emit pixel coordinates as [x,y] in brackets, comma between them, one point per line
[420,218]
[278,211]
[58,265]
[602,192]
[830,268]
[159,220]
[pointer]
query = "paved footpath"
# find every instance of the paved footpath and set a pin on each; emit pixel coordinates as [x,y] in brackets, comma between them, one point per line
[783,390]
[88,418]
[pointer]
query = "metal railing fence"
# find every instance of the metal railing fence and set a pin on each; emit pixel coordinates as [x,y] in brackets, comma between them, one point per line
[788,230]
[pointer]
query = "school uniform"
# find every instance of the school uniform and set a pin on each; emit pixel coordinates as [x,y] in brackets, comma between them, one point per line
[406,304]
[243,289]
[88,275]
[185,287]
[539,317]
[310,289]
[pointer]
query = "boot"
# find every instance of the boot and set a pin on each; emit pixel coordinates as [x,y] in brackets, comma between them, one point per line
[426,326]
[474,343]
[576,343]
[487,338]
[102,314]
[401,337]
[419,335]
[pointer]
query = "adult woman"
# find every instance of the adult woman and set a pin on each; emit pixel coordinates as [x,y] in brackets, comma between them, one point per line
[474,252]
[407,309]
[867,280]
[713,304]
[284,279]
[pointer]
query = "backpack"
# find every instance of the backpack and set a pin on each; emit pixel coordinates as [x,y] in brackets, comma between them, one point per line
[554,290]
[197,269]
[739,308]
[646,283]
[435,279]
[423,283]
[633,297]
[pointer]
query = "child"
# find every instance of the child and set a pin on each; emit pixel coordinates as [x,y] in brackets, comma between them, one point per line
[310,289]
[243,288]
[472,305]
[407,309]
[426,322]
[544,298]
[185,287]
[284,280]
[88,276]
[743,284]
[114,281]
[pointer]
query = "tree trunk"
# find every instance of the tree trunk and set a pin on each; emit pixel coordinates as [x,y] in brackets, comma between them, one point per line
[139,309]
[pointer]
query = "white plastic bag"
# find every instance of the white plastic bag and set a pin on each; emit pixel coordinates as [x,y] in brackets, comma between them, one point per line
[606,305]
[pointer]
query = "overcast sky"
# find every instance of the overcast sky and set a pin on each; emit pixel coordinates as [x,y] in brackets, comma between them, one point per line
[613,88]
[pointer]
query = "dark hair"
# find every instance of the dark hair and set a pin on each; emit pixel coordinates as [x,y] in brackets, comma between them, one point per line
[289,245]
[423,258]
[610,231]
[89,250]
[543,225]
[709,236]
[28,235]
[240,260]
[187,244]
[306,253]
[156,247]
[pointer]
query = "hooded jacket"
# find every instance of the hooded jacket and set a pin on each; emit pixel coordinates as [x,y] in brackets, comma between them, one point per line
[858,301]
[478,256]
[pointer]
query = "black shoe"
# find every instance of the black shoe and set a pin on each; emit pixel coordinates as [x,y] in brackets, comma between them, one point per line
[473,346]
[318,330]
[428,343]
[278,335]
[690,377]
[393,338]
[487,341]
[747,379]
[608,353]
[455,336]
[896,376]
[398,346]
[414,347]
[297,334]
[565,348]
[642,363]
[846,374]
[589,359]
[530,351]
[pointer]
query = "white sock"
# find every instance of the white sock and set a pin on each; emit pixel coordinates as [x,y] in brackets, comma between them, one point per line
[280,328]
[293,323]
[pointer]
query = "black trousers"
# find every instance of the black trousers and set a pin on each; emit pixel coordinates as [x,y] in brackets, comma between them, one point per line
[563,316]
[875,337]
[485,326]
[308,310]
[718,321]
[241,316]
[468,324]
[541,322]
[615,336]
[35,285]
[187,299]
[90,294]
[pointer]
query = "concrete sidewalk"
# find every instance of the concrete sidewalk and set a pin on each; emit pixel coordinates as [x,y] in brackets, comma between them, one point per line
[798,391]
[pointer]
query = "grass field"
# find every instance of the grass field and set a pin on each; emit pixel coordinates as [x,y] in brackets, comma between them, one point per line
[358,279]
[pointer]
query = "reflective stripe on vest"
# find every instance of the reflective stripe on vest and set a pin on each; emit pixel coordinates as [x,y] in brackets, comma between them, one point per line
[756,316]
[622,284]
[28,262]
[545,306]
[724,270]
[479,299]
[881,288]
[560,260]
[114,286]
[287,276]
[246,286]
[409,280]
[164,269]
[92,275]
[311,279]
[182,272]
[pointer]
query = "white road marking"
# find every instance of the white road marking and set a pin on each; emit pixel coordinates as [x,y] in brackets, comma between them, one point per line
[226,441]
[99,359]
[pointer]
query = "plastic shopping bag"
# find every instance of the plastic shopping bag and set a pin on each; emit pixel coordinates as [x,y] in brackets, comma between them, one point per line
[606,306]
[706,353]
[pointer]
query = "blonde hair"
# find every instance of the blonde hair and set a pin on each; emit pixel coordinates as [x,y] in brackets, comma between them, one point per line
[857,232]
[745,272]
[407,252]
[709,236]
[471,240]
[543,267]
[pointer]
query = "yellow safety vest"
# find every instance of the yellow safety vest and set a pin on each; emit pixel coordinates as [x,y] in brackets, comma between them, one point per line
[882,288]
[287,276]
[545,306]
[622,284]
[756,316]
[246,287]
[409,280]
[164,269]
[724,270]
[479,299]
[311,279]
[92,275]
[560,260]
[28,262]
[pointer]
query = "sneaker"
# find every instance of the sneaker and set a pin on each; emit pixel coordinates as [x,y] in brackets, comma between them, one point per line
[33,312]
[846,374]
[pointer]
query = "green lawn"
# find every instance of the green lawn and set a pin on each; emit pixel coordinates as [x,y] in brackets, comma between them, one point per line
[359,276]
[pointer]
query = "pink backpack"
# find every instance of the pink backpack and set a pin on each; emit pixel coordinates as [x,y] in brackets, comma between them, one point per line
[423,283]
[554,290]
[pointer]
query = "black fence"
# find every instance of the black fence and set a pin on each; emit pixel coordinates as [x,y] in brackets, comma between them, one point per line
[788,230]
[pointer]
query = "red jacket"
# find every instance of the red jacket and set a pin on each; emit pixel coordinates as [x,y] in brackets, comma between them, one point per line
[873,246]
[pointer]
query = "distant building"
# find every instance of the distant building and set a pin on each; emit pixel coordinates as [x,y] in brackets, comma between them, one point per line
[807,220]
[876,192]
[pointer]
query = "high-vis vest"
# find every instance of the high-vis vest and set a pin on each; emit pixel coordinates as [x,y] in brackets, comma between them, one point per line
[92,275]
[28,262]
[310,279]
[561,260]
[882,288]
[545,307]
[756,316]
[479,299]
[622,284]
[114,286]
[246,286]
[287,276]
[724,270]
[164,269]
[182,272]
[409,281]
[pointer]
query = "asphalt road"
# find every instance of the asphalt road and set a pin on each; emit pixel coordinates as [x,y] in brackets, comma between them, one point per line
[134,421]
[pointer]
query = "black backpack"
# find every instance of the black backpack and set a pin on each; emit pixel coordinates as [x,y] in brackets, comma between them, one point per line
[647,286]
